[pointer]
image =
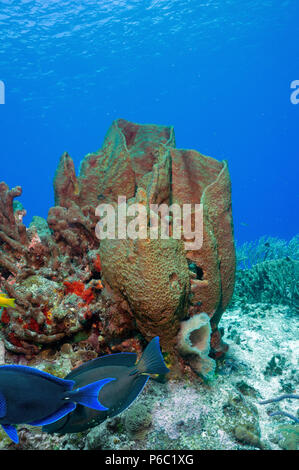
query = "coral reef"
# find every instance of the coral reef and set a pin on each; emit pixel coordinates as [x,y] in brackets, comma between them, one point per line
[265,249]
[138,420]
[275,281]
[123,291]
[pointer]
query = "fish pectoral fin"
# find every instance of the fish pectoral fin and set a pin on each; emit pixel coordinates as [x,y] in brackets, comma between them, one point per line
[88,395]
[11,432]
[66,409]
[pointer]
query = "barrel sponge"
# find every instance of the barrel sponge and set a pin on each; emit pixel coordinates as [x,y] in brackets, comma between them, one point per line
[194,344]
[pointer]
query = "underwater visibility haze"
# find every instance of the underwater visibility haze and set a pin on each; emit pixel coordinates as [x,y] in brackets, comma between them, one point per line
[149,225]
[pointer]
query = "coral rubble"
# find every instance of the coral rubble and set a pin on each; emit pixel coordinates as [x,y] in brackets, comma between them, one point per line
[121,291]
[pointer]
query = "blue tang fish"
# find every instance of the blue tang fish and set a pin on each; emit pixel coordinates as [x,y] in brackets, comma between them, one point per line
[130,379]
[30,396]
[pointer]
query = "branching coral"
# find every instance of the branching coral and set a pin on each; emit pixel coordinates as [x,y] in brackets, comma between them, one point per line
[266,249]
[282,413]
[33,268]
[274,281]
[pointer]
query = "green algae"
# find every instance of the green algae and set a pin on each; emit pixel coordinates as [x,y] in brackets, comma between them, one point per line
[289,437]
[80,336]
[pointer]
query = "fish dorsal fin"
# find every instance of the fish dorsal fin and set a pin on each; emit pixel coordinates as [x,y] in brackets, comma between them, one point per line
[67,384]
[2,405]
[2,294]
[118,359]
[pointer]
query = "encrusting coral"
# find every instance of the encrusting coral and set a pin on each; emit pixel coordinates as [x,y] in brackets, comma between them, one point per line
[123,291]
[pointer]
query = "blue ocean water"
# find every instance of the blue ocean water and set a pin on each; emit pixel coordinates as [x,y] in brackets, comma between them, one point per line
[219,71]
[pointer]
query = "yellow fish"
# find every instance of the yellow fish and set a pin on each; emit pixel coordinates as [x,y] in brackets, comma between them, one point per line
[6,302]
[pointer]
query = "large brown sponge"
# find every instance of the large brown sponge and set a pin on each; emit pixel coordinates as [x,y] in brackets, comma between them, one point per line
[153,275]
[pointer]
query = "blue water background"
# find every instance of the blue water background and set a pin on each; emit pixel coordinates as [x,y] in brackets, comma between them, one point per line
[219,71]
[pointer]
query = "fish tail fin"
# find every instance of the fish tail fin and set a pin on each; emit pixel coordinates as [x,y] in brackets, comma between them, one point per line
[89,395]
[11,303]
[11,432]
[152,361]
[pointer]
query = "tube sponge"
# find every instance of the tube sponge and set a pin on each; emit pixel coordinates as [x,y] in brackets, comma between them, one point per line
[194,343]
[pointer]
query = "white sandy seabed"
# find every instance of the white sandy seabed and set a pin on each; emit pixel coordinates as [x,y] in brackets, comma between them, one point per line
[262,363]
